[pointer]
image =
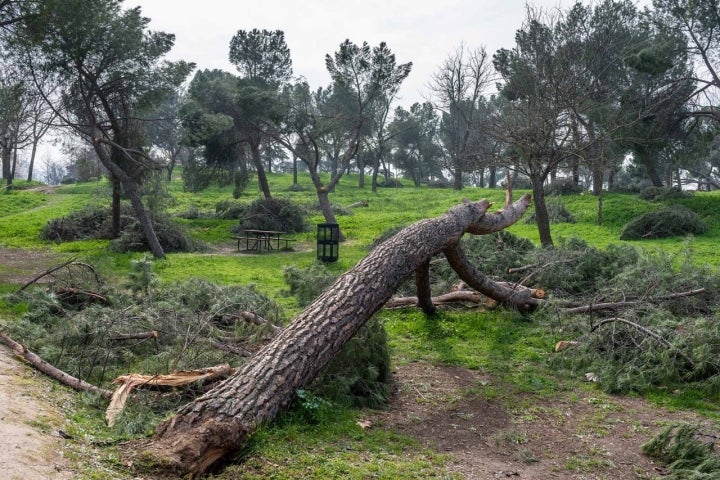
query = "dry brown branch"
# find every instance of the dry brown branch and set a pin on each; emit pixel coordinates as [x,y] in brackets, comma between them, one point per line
[174,379]
[52,371]
[629,303]
[469,296]
[362,203]
[135,336]
[228,348]
[83,295]
[52,270]
[644,330]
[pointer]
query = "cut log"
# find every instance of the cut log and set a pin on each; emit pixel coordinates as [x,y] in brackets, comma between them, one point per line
[213,427]
[52,371]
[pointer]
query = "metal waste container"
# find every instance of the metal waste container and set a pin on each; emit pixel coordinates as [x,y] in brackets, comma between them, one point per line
[328,242]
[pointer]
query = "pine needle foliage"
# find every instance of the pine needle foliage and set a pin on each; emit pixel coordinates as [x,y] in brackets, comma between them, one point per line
[681,446]
[278,214]
[672,221]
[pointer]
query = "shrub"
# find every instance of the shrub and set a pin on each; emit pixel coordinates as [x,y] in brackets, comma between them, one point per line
[390,183]
[439,183]
[665,222]
[359,376]
[88,223]
[680,447]
[307,283]
[274,214]
[661,194]
[230,210]
[557,212]
[563,186]
[171,236]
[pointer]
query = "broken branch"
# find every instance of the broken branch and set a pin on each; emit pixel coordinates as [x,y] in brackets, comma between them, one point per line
[50,370]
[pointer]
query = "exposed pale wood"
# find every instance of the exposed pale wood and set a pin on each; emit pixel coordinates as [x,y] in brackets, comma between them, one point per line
[52,371]
[174,379]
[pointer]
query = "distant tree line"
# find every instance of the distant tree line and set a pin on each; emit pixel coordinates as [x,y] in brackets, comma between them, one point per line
[603,95]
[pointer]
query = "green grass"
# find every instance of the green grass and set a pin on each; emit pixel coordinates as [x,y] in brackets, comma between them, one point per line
[510,348]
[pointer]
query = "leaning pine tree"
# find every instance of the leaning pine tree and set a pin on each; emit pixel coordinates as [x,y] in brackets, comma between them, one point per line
[215,426]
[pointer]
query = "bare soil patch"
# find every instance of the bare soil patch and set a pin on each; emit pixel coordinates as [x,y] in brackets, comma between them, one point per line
[20,266]
[30,448]
[575,435]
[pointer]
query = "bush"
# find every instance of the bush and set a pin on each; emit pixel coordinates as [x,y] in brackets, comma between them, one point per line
[563,186]
[359,376]
[274,214]
[88,223]
[557,212]
[307,283]
[171,236]
[439,183]
[661,194]
[230,210]
[665,222]
[390,183]
[679,446]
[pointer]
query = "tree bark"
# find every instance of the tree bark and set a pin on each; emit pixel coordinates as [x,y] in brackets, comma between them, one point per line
[541,213]
[216,425]
[257,162]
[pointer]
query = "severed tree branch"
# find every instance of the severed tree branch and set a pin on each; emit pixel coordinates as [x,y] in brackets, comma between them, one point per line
[630,303]
[462,296]
[50,370]
[646,331]
[52,270]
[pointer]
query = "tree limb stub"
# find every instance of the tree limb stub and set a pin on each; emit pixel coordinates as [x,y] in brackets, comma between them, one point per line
[217,424]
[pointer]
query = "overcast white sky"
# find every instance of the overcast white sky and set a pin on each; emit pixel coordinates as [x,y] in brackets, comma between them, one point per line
[420,31]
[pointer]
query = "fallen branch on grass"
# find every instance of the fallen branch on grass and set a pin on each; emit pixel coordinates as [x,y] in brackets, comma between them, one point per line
[463,296]
[54,269]
[619,305]
[51,371]
[646,331]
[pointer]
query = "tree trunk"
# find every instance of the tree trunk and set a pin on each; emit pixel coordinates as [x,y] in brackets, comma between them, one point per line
[33,152]
[457,179]
[216,425]
[492,181]
[327,210]
[116,204]
[541,213]
[257,162]
[6,154]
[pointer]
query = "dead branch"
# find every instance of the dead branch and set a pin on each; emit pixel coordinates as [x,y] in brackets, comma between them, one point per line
[76,293]
[174,379]
[646,331]
[52,270]
[135,336]
[50,370]
[468,296]
[362,203]
[256,319]
[629,303]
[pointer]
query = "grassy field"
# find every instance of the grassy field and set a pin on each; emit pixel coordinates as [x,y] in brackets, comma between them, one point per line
[511,349]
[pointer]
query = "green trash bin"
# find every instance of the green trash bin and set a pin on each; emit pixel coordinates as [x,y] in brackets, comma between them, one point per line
[328,242]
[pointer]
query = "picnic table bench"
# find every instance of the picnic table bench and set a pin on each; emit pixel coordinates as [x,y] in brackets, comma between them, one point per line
[259,240]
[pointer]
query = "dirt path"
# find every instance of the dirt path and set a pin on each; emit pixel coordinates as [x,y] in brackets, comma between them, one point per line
[30,447]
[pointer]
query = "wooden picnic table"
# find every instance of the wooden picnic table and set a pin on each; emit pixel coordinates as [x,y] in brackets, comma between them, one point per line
[259,240]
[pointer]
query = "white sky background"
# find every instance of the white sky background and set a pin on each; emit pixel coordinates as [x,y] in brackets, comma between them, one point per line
[424,32]
[420,31]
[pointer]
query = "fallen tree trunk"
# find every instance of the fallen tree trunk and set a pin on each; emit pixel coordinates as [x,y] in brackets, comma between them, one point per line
[215,426]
